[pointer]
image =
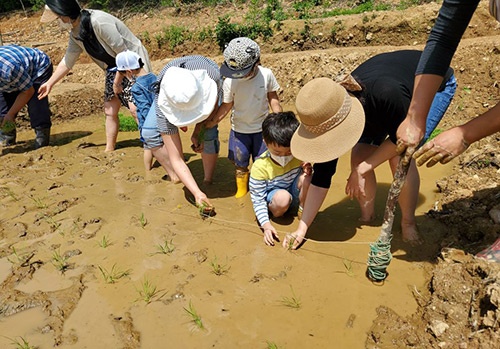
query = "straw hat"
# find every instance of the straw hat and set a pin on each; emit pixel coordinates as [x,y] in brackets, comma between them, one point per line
[186,96]
[331,121]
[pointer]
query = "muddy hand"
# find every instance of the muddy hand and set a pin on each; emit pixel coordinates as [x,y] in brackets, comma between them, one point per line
[409,136]
[292,241]
[445,147]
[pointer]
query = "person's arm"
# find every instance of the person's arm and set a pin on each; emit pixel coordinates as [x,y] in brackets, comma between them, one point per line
[320,184]
[21,100]
[314,199]
[274,102]
[412,129]
[452,21]
[58,74]
[355,186]
[258,193]
[174,149]
[217,117]
[453,142]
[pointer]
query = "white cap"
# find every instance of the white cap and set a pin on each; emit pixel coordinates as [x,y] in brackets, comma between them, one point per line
[186,96]
[127,60]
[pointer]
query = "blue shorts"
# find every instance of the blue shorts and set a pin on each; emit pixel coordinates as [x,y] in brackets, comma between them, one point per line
[293,190]
[152,139]
[438,108]
[242,146]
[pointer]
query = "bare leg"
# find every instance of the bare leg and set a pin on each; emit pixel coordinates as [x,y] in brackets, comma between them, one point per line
[161,154]
[408,202]
[209,161]
[359,153]
[280,203]
[148,159]
[111,109]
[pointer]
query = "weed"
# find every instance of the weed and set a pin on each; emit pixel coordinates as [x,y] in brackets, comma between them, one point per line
[217,268]
[172,35]
[38,202]
[10,193]
[143,221]
[348,266]
[291,302]
[271,345]
[127,123]
[146,38]
[110,277]
[148,291]
[104,242]
[467,89]
[167,247]
[194,316]
[60,262]
[21,343]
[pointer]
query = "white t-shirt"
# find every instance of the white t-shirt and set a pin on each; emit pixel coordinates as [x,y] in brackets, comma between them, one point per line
[251,105]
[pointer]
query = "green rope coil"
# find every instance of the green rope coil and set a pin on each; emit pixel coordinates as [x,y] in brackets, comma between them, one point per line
[379,259]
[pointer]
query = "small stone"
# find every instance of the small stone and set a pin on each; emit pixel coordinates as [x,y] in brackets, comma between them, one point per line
[438,328]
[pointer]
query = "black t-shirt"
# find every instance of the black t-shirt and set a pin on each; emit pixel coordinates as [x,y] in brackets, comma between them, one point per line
[387,81]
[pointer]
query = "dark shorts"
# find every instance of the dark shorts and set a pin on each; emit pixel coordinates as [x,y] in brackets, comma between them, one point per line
[125,97]
[242,146]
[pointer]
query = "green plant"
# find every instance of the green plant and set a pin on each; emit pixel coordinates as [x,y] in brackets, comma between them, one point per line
[148,291]
[19,258]
[217,268]
[113,275]
[271,345]
[127,123]
[143,221]
[172,35]
[104,241]
[52,223]
[21,343]
[38,202]
[167,247]
[8,126]
[194,316]
[10,193]
[434,133]
[348,266]
[59,261]
[291,302]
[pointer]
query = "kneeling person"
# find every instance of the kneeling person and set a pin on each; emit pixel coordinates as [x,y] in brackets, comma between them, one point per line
[278,181]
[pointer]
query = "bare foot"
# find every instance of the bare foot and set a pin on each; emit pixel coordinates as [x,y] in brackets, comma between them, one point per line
[108,150]
[410,234]
[367,218]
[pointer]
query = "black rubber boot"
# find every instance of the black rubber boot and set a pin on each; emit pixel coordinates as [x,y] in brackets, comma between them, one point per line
[7,138]
[42,137]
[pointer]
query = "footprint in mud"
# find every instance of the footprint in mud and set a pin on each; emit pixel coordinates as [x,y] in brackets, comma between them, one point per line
[89,228]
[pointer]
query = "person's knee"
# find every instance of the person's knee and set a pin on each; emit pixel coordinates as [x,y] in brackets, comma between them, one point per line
[280,203]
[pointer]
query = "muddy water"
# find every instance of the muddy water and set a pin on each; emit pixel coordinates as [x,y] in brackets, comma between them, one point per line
[68,198]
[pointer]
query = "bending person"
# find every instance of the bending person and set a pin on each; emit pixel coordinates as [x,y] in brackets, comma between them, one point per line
[102,36]
[187,92]
[334,122]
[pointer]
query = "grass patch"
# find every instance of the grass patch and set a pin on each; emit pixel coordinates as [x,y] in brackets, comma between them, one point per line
[127,123]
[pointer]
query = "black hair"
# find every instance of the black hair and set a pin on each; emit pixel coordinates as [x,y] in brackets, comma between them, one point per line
[278,128]
[67,8]
[86,31]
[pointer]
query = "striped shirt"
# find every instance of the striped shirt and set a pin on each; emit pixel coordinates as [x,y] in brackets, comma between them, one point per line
[266,176]
[20,66]
[191,63]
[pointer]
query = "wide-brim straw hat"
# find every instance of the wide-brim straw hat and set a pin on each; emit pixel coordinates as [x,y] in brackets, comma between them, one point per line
[48,15]
[331,121]
[186,96]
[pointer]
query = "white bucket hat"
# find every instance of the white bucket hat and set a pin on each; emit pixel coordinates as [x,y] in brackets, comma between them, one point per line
[186,96]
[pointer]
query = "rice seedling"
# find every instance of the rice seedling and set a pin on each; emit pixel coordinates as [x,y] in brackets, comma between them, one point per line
[217,268]
[291,302]
[104,241]
[10,193]
[113,275]
[348,266]
[291,241]
[148,292]
[21,343]
[206,211]
[271,345]
[38,202]
[194,316]
[167,248]
[143,221]
[18,258]
[60,262]
[52,223]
